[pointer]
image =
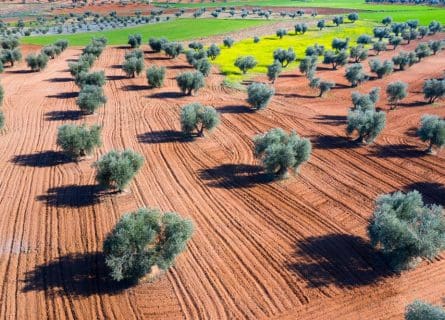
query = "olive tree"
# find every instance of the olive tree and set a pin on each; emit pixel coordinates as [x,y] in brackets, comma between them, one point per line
[432,130]
[367,123]
[387,21]
[10,56]
[228,42]
[135,40]
[245,63]
[145,240]
[406,230]
[335,59]
[381,33]
[2,120]
[173,49]
[190,82]
[281,33]
[51,51]
[395,42]
[404,59]
[381,69]
[213,51]
[433,89]
[96,78]
[90,98]
[133,66]
[322,85]
[419,310]
[315,50]
[422,50]
[340,44]
[365,101]
[301,28]
[36,62]
[379,46]
[358,53]
[435,27]
[353,17]
[273,71]
[364,39]
[259,95]
[62,44]
[337,20]
[155,76]
[193,55]
[355,74]
[423,31]
[195,117]
[436,45]
[308,65]
[2,95]
[279,151]
[195,45]
[409,34]
[157,44]
[203,65]
[321,24]
[116,169]
[284,56]
[78,141]
[396,91]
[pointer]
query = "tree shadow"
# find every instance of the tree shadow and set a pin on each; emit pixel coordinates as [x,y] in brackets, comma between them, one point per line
[413,104]
[166,95]
[235,109]
[333,142]
[339,86]
[411,132]
[297,95]
[231,176]
[397,151]
[343,260]
[331,119]
[41,159]
[63,115]
[78,275]
[160,58]
[323,68]
[59,79]
[20,71]
[72,196]
[135,87]
[115,78]
[166,136]
[179,67]
[64,95]
[116,66]
[432,192]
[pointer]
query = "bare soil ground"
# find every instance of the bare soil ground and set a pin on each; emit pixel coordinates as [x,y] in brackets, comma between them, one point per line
[289,249]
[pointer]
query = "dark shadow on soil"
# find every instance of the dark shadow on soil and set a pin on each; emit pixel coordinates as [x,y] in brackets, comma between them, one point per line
[332,120]
[333,142]
[323,68]
[135,87]
[20,71]
[63,115]
[232,176]
[41,159]
[166,136]
[72,196]
[115,78]
[60,80]
[64,95]
[432,192]
[116,66]
[235,109]
[397,151]
[81,274]
[160,58]
[165,95]
[179,67]
[412,132]
[297,95]
[343,260]
[339,86]
[291,76]
[413,104]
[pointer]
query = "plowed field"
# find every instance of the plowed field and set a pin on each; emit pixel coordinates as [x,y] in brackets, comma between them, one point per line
[293,249]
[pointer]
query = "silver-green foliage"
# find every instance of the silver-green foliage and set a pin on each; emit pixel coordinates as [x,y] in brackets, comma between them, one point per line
[432,129]
[368,124]
[155,76]
[245,63]
[190,82]
[116,169]
[259,95]
[406,229]
[195,117]
[79,141]
[144,239]
[90,98]
[419,310]
[396,91]
[36,62]
[280,151]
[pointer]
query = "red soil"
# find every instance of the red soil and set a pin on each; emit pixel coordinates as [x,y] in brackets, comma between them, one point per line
[289,249]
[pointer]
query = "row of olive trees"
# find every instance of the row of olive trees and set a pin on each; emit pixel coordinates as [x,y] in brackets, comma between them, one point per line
[9,51]
[39,61]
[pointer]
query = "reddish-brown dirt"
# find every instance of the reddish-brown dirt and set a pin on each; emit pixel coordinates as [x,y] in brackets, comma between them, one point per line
[289,249]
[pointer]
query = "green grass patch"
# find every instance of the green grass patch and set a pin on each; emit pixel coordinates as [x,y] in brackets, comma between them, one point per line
[372,11]
[263,51]
[175,30]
